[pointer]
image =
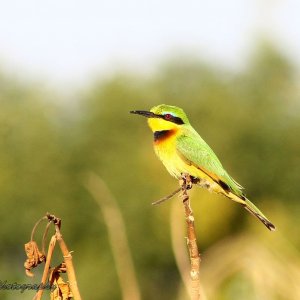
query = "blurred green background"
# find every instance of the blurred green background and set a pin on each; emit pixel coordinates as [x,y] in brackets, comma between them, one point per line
[250,118]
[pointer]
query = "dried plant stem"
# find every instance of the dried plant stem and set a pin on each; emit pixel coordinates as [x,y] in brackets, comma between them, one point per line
[191,241]
[117,236]
[35,226]
[44,237]
[51,247]
[35,257]
[69,264]
[57,237]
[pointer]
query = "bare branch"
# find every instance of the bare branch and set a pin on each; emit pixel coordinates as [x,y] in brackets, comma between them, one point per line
[166,197]
[191,240]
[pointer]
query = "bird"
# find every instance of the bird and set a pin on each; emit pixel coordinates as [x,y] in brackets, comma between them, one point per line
[183,152]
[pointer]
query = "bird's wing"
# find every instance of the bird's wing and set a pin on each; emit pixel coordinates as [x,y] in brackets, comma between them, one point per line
[195,151]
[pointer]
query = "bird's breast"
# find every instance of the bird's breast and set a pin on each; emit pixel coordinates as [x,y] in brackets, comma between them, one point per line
[165,146]
[165,149]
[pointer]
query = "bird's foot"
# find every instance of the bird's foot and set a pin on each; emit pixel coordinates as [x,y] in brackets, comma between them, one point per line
[186,181]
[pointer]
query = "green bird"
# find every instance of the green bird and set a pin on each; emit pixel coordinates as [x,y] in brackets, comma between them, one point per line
[182,150]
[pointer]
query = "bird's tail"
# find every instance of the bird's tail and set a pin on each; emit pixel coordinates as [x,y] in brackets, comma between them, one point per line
[252,209]
[258,214]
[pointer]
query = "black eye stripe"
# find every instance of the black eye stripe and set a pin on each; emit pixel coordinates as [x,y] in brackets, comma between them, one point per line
[171,118]
[177,120]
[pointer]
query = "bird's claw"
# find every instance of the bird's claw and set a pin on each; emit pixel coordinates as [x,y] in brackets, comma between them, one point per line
[186,181]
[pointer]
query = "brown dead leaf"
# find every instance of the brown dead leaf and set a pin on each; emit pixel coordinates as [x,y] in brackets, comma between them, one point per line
[62,290]
[34,257]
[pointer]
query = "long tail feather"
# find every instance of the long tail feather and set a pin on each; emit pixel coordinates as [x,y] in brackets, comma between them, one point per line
[249,206]
[257,213]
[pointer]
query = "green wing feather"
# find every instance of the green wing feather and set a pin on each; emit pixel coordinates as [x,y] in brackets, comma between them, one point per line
[196,151]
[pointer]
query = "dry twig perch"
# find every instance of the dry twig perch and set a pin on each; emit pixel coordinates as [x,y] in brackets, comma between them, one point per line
[191,239]
[186,184]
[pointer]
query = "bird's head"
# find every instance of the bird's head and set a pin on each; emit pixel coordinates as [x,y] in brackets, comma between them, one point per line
[164,117]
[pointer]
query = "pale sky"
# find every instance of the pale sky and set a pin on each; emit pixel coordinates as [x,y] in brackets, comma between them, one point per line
[69,41]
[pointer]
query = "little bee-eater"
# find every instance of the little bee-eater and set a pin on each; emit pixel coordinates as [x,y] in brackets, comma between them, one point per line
[182,150]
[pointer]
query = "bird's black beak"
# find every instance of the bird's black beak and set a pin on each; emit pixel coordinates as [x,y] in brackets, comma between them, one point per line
[147,114]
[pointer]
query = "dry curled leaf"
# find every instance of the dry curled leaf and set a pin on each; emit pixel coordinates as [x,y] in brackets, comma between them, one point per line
[34,257]
[61,290]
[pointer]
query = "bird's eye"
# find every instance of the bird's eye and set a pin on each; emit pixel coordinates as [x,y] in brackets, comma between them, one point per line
[168,116]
